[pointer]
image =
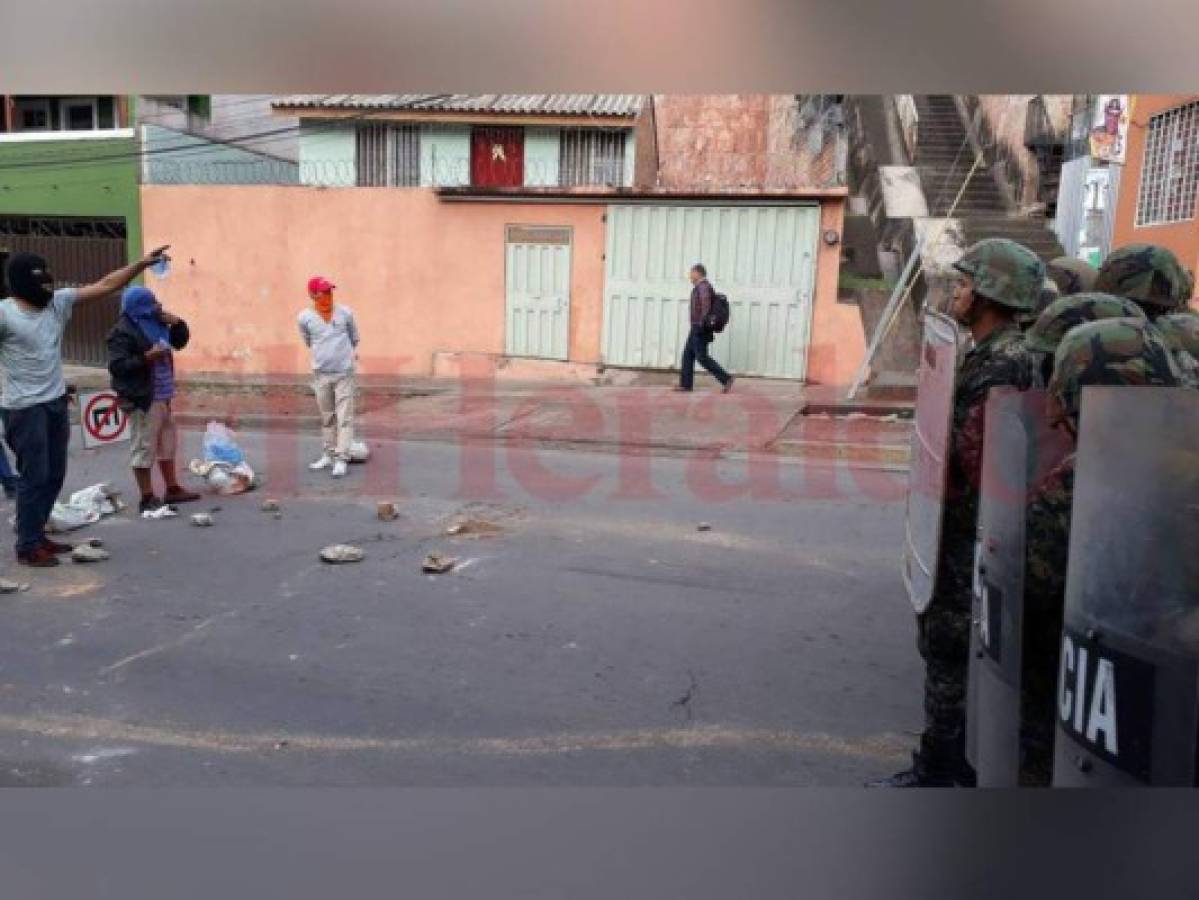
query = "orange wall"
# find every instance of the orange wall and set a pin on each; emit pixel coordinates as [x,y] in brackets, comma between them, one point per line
[422,275]
[1181,237]
[838,340]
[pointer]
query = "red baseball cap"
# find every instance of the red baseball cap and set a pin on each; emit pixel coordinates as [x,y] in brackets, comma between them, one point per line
[319,285]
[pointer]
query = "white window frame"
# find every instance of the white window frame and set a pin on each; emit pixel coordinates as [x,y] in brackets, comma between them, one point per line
[400,144]
[67,102]
[584,148]
[43,105]
[1169,189]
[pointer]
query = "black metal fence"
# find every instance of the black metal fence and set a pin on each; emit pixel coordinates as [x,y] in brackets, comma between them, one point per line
[79,251]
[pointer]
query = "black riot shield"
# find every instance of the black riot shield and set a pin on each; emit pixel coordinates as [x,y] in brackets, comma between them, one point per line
[1020,449]
[930,456]
[1128,682]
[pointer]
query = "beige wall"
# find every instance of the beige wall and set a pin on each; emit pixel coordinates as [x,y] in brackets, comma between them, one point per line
[422,275]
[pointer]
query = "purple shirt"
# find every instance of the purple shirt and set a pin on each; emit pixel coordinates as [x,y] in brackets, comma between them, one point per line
[163,373]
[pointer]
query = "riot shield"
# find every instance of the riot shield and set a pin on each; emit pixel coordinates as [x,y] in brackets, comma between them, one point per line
[1020,449]
[1128,681]
[929,459]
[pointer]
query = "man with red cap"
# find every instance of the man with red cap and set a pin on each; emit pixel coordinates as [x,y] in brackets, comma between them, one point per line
[330,333]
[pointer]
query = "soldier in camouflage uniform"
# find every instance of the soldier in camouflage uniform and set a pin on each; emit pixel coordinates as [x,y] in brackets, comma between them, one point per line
[1043,337]
[1149,275]
[1128,351]
[1072,276]
[1049,293]
[1181,331]
[999,279]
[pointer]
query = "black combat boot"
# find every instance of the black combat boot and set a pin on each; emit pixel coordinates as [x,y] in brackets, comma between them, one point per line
[922,774]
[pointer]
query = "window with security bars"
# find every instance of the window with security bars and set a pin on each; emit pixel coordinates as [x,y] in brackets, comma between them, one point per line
[388,155]
[590,156]
[1170,173]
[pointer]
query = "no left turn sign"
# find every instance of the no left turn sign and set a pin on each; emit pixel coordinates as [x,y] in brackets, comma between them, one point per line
[103,421]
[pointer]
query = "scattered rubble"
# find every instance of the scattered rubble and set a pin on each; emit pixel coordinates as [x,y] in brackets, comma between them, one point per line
[342,553]
[436,564]
[85,553]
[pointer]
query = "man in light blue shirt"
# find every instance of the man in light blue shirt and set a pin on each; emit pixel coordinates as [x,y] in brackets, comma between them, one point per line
[33,403]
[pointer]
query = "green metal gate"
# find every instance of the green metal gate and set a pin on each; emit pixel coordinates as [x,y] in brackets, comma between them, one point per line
[762,257]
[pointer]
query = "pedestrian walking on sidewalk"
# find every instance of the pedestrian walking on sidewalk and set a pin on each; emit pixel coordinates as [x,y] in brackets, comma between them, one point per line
[141,350]
[330,332]
[701,335]
[37,426]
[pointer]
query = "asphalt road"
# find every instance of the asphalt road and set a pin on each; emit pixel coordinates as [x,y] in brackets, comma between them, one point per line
[591,633]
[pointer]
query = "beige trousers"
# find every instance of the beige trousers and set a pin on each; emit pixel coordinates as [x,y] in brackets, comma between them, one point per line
[335,396]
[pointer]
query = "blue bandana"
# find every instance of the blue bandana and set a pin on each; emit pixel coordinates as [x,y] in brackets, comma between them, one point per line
[138,303]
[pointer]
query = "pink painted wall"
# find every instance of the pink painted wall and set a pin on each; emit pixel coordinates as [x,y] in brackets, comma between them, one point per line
[422,275]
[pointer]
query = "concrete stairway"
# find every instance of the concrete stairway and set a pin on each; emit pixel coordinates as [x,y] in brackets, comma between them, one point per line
[944,158]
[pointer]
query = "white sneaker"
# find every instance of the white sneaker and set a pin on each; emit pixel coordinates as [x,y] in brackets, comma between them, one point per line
[323,463]
[340,468]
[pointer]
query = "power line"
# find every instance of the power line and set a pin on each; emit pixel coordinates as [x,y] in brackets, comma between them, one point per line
[142,153]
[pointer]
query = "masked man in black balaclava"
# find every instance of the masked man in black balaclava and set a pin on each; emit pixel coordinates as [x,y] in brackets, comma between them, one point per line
[34,402]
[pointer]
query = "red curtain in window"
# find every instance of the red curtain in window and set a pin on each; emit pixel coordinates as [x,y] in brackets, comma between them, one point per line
[497,157]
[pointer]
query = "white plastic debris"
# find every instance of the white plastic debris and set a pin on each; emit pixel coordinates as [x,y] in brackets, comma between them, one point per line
[85,507]
[85,553]
[9,587]
[202,520]
[163,512]
[224,478]
[342,553]
[359,451]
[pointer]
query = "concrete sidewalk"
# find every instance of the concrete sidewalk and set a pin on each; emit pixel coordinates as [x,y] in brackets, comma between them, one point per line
[758,416]
[642,414]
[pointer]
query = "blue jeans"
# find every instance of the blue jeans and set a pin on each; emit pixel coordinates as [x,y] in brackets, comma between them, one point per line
[696,351]
[38,436]
[6,472]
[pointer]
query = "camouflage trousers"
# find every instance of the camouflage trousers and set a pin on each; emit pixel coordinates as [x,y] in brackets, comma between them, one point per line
[943,639]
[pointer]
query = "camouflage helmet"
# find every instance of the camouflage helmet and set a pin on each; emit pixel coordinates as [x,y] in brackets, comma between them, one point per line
[1005,273]
[1070,312]
[1146,273]
[1049,293]
[1072,276]
[1112,351]
[1181,331]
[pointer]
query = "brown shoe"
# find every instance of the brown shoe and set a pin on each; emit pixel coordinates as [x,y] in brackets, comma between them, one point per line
[56,547]
[179,494]
[40,558]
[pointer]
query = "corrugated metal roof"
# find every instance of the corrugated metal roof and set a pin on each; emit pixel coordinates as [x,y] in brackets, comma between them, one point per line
[505,104]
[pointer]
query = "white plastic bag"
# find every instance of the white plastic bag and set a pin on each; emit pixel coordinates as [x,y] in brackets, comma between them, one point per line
[85,507]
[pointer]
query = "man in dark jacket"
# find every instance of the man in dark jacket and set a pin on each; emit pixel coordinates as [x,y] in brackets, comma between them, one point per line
[143,378]
[701,334]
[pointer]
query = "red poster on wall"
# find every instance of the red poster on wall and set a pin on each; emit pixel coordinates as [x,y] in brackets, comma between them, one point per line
[497,157]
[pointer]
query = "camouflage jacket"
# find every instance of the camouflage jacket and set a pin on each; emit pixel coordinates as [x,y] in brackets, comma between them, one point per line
[999,360]
[1047,541]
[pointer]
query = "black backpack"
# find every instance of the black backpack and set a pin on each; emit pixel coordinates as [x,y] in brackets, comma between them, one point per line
[718,315]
